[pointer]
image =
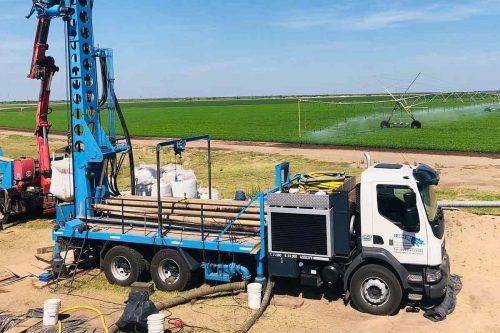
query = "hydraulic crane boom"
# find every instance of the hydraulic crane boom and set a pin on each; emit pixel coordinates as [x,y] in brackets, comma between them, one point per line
[43,68]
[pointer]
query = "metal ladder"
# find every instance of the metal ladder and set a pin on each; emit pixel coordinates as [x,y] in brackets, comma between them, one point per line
[62,277]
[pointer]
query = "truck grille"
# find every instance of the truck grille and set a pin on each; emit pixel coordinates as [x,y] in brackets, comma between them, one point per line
[299,233]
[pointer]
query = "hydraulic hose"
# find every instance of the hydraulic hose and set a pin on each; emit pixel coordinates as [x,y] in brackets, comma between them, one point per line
[104,79]
[263,306]
[194,294]
[321,181]
[129,143]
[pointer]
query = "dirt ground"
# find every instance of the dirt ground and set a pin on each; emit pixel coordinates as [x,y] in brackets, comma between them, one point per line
[471,243]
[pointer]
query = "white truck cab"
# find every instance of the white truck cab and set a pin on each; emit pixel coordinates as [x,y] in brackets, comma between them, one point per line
[401,221]
[381,238]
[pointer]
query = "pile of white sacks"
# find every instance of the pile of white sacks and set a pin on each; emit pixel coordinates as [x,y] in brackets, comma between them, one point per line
[175,181]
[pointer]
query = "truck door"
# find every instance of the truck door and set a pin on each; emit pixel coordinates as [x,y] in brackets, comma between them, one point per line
[389,232]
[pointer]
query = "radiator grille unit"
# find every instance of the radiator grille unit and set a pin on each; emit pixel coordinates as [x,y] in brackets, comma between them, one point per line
[299,233]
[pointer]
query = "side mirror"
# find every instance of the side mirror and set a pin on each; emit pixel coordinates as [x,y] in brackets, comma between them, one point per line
[410,199]
[411,219]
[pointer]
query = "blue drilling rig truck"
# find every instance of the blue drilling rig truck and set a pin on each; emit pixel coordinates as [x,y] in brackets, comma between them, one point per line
[381,240]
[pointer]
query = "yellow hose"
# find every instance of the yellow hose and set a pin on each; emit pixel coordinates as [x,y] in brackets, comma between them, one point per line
[85,307]
[326,181]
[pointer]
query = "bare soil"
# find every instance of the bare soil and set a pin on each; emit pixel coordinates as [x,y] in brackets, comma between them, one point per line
[471,242]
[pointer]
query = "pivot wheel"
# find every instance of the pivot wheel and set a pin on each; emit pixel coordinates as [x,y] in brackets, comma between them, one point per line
[123,265]
[376,290]
[416,124]
[385,124]
[169,271]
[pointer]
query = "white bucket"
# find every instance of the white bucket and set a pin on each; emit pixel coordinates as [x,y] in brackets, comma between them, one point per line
[254,291]
[156,323]
[51,309]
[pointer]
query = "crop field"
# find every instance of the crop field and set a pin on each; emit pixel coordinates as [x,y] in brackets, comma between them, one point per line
[451,124]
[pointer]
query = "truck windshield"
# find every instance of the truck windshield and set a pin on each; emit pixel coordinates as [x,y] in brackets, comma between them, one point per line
[429,198]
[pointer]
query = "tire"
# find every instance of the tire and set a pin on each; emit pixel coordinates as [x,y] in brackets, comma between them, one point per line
[123,265]
[385,124]
[375,290]
[169,271]
[416,124]
[3,219]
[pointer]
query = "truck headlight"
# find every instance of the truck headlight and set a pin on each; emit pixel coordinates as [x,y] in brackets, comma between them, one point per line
[433,275]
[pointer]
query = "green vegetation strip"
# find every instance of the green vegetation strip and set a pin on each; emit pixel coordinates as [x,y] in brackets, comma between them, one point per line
[276,120]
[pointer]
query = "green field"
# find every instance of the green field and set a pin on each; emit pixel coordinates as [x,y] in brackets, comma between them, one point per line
[451,124]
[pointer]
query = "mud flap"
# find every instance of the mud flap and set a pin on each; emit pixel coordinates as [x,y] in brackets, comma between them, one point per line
[440,311]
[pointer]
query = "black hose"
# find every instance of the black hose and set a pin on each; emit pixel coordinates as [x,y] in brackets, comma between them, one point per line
[104,79]
[129,143]
[263,306]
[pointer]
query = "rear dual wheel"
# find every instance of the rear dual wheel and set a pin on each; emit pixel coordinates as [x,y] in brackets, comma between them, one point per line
[123,265]
[170,271]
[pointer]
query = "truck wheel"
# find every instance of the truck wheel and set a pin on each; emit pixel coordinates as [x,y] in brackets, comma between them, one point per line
[3,219]
[123,265]
[169,271]
[375,289]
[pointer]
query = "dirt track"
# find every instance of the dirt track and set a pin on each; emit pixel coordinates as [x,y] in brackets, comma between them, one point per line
[474,171]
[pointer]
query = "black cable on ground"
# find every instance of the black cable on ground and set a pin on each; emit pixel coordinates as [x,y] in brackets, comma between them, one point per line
[263,306]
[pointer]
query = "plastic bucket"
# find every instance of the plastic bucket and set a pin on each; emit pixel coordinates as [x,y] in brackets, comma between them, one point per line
[254,291]
[156,323]
[51,309]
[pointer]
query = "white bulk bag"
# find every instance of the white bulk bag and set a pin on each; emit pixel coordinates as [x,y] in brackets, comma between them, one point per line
[61,185]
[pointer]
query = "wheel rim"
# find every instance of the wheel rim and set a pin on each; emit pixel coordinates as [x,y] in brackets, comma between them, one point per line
[120,268]
[375,291]
[169,271]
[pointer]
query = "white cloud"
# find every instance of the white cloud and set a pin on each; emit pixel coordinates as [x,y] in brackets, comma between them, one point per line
[339,18]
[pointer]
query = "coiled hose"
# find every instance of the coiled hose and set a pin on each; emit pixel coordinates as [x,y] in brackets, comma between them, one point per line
[326,181]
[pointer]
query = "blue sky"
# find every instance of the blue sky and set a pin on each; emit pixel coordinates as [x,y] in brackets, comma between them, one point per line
[227,48]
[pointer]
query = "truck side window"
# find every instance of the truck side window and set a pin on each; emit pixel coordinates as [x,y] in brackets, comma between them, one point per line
[390,202]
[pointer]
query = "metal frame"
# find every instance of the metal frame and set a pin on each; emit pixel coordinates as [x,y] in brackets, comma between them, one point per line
[179,146]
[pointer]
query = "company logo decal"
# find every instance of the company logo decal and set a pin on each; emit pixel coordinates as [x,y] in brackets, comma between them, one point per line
[410,239]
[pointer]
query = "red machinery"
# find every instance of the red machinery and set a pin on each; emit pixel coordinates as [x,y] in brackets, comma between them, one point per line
[43,68]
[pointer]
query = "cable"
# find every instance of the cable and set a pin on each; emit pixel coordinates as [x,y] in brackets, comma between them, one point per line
[85,307]
[129,143]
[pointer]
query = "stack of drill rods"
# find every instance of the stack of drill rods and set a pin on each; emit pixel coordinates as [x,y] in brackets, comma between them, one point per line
[210,204]
[215,213]
[230,207]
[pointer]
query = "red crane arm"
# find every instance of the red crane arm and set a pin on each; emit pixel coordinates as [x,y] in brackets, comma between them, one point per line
[43,68]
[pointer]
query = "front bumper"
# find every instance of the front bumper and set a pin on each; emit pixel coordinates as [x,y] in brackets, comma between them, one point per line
[438,289]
